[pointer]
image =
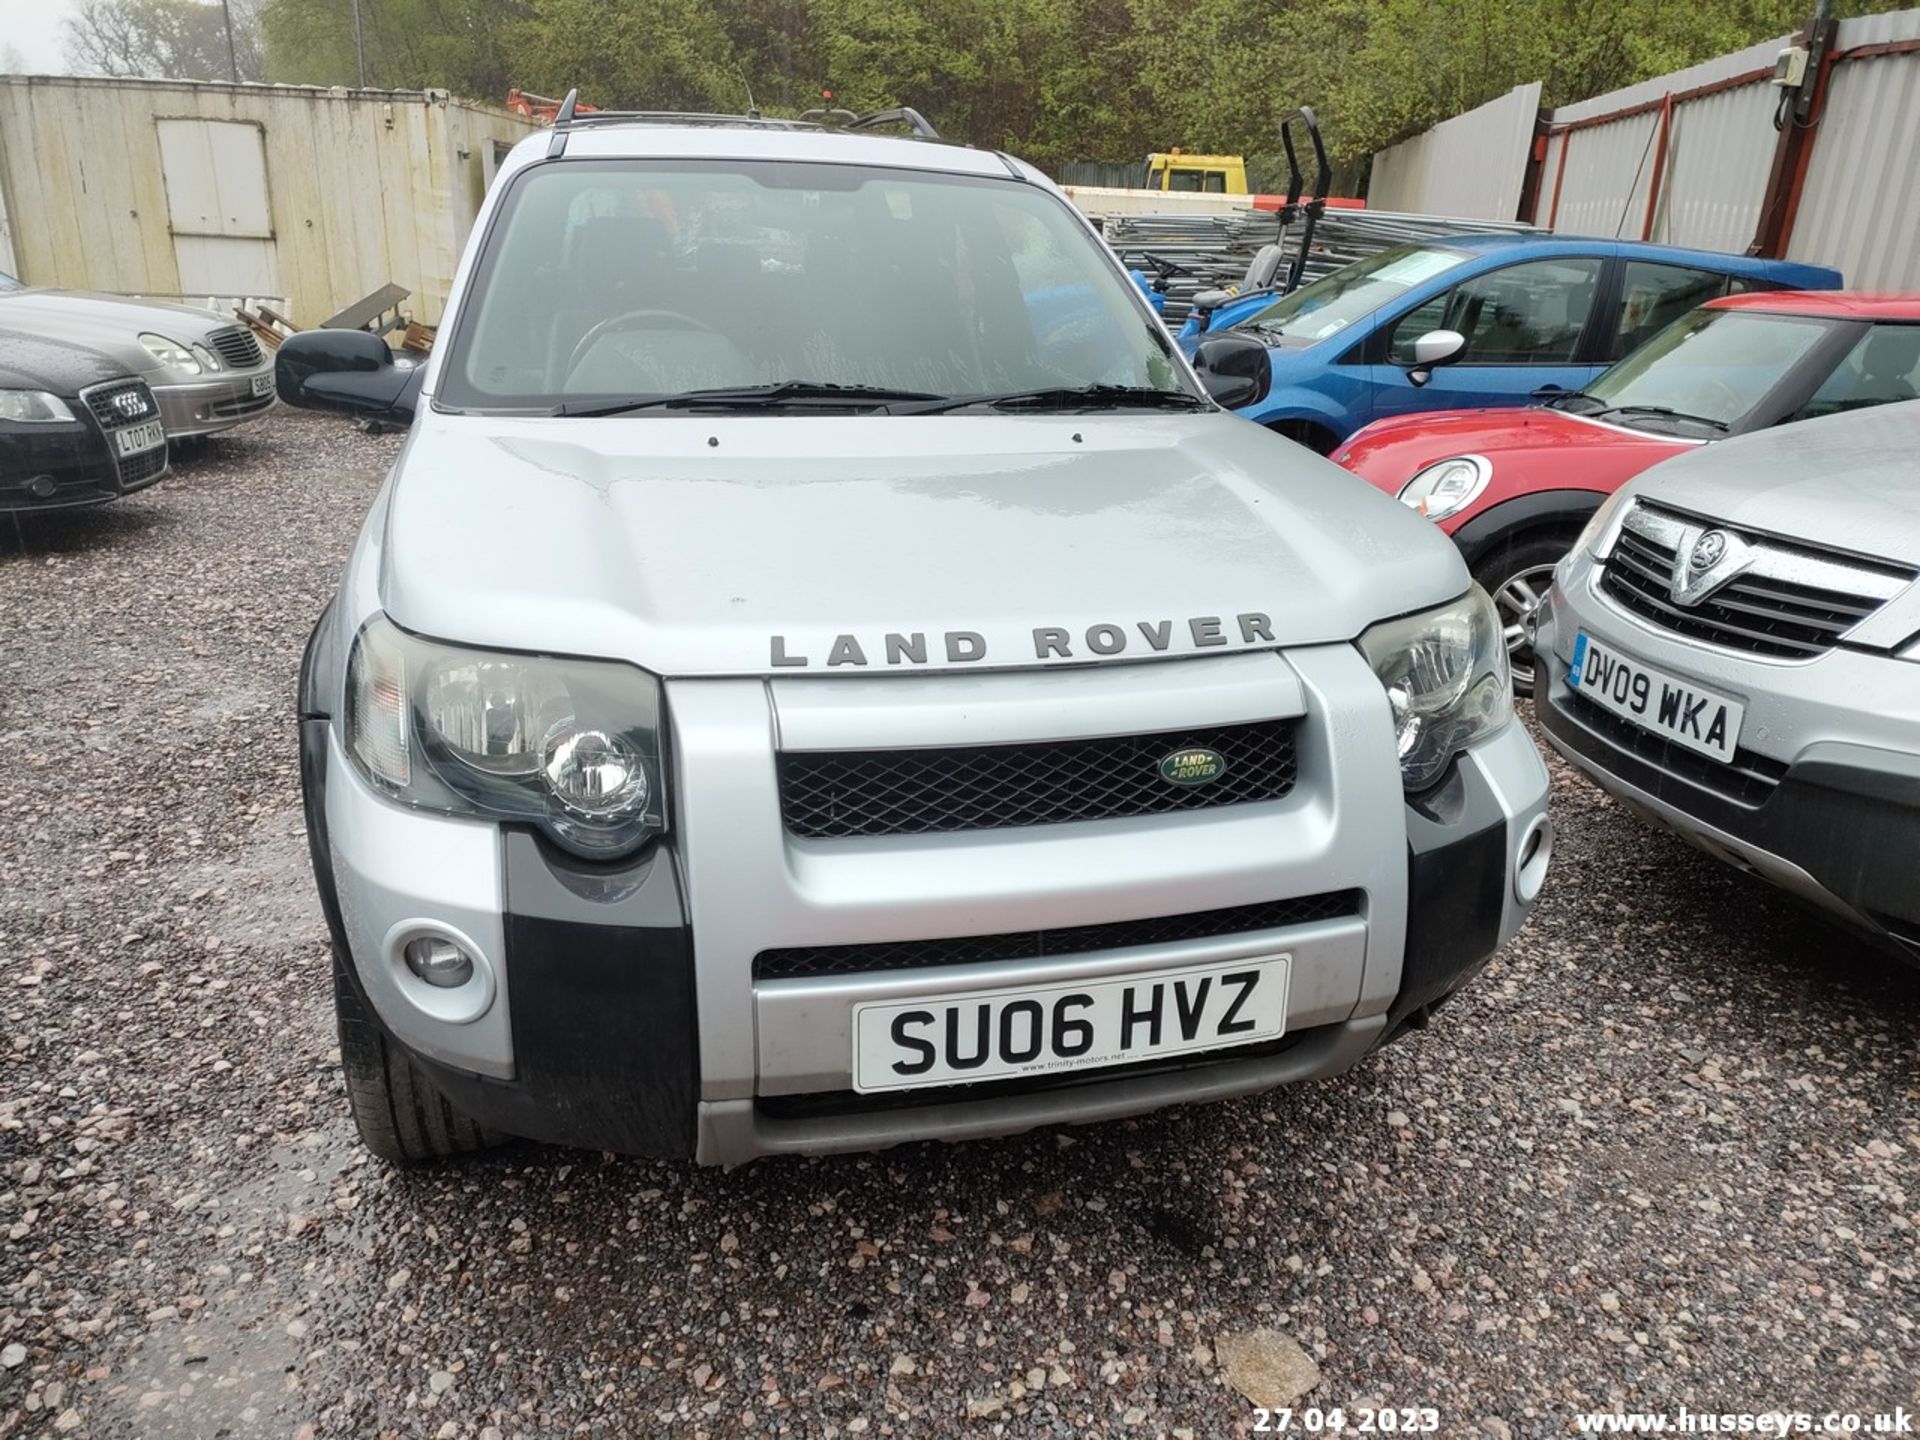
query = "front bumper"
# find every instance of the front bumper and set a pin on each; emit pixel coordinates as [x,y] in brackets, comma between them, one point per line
[626,1013]
[1825,799]
[206,407]
[64,467]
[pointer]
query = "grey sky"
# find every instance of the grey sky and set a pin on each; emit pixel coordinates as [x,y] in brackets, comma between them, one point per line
[33,28]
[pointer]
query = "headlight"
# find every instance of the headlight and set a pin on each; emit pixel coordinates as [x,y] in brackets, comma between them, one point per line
[572,746]
[209,361]
[34,407]
[1445,672]
[173,356]
[1447,487]
[1604,528]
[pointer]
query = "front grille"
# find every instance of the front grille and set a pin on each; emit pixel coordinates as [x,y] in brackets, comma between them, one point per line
[236,346]
[138,469]
[1764,611]
[111,411]
[1749,779]
[1040,944]
[992,787]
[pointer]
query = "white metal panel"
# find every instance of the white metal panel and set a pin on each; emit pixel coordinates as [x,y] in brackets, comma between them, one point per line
[1724,67]
[1473,165]
[226,265]
[1860,209]
[7,263]
[216,174]
[1603,189]
[1718,154]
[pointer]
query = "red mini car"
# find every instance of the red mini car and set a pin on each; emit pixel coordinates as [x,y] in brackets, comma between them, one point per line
[1514,487]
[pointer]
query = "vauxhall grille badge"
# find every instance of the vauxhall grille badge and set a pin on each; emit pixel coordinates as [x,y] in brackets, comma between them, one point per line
[1708,551]
[1704,564]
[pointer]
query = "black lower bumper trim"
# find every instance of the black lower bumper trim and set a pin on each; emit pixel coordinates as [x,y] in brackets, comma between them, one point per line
[1457,847]
[1848,815]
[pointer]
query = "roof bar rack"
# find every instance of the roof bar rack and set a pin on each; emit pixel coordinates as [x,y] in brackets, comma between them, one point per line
[570,117]
[562,122]
[900,115]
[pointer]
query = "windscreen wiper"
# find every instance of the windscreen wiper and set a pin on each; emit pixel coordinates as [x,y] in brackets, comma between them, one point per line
[1560,397]
[757,397]
[1665,413]
[1074,397]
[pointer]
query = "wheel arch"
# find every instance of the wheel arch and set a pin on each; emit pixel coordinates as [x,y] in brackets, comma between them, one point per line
[1525,516]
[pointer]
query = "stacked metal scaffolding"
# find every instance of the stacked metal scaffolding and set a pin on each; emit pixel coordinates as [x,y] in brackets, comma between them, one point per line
[1215,249]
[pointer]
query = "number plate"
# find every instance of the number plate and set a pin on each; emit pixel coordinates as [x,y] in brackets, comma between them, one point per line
[1672,708]
[263,384]
[137,438]
[1047,1029]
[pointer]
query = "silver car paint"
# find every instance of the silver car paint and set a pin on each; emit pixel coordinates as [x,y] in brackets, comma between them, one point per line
[113,324]
[638,539]
[1847,482]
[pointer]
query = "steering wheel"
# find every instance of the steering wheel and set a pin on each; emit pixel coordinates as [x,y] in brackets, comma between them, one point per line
[627,322]
[1712,385]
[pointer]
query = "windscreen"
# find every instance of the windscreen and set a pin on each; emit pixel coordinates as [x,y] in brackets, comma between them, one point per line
[1335,301]
[608,280]
[1710,366]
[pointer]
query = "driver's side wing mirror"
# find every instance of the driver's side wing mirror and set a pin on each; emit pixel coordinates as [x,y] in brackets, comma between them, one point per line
[348,372]
[1436,347]
[1235,369]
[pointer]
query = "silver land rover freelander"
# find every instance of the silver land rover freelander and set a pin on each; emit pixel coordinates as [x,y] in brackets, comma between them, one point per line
[824,671]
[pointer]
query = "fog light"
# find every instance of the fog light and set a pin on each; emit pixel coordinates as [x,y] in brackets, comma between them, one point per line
[441,963]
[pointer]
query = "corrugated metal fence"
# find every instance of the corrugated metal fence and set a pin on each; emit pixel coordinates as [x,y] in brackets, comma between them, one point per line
[1471,165]
[1686,159]
[1860,206]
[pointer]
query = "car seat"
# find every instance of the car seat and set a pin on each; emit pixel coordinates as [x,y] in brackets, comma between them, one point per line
[1889,364]
[618,263]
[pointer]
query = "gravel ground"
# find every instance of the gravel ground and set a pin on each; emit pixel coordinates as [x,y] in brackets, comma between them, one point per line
[1666,1151]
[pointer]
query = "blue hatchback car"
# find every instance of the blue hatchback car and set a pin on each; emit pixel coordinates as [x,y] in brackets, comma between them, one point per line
[1539,314]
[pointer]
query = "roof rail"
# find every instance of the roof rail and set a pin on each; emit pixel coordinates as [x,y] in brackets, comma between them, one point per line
[571,117]
[899,115]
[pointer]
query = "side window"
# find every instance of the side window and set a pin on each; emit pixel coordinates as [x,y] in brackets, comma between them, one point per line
[1882,368]
[1183,180]
[1653,296]
[1527,314]
[1216,182]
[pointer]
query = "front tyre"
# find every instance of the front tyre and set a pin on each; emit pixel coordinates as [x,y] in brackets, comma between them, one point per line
[399,1113]
[1517,576]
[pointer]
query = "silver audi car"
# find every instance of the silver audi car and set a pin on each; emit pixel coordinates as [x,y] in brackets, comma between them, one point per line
[1734,649]
[825,671]
[208,373]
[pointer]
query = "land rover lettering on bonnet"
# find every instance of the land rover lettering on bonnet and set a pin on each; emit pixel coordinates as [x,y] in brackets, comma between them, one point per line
[824,672]
[1049,642]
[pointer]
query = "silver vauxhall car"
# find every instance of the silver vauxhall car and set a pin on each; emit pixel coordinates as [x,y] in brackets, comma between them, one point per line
[823,672]
[1734,649]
